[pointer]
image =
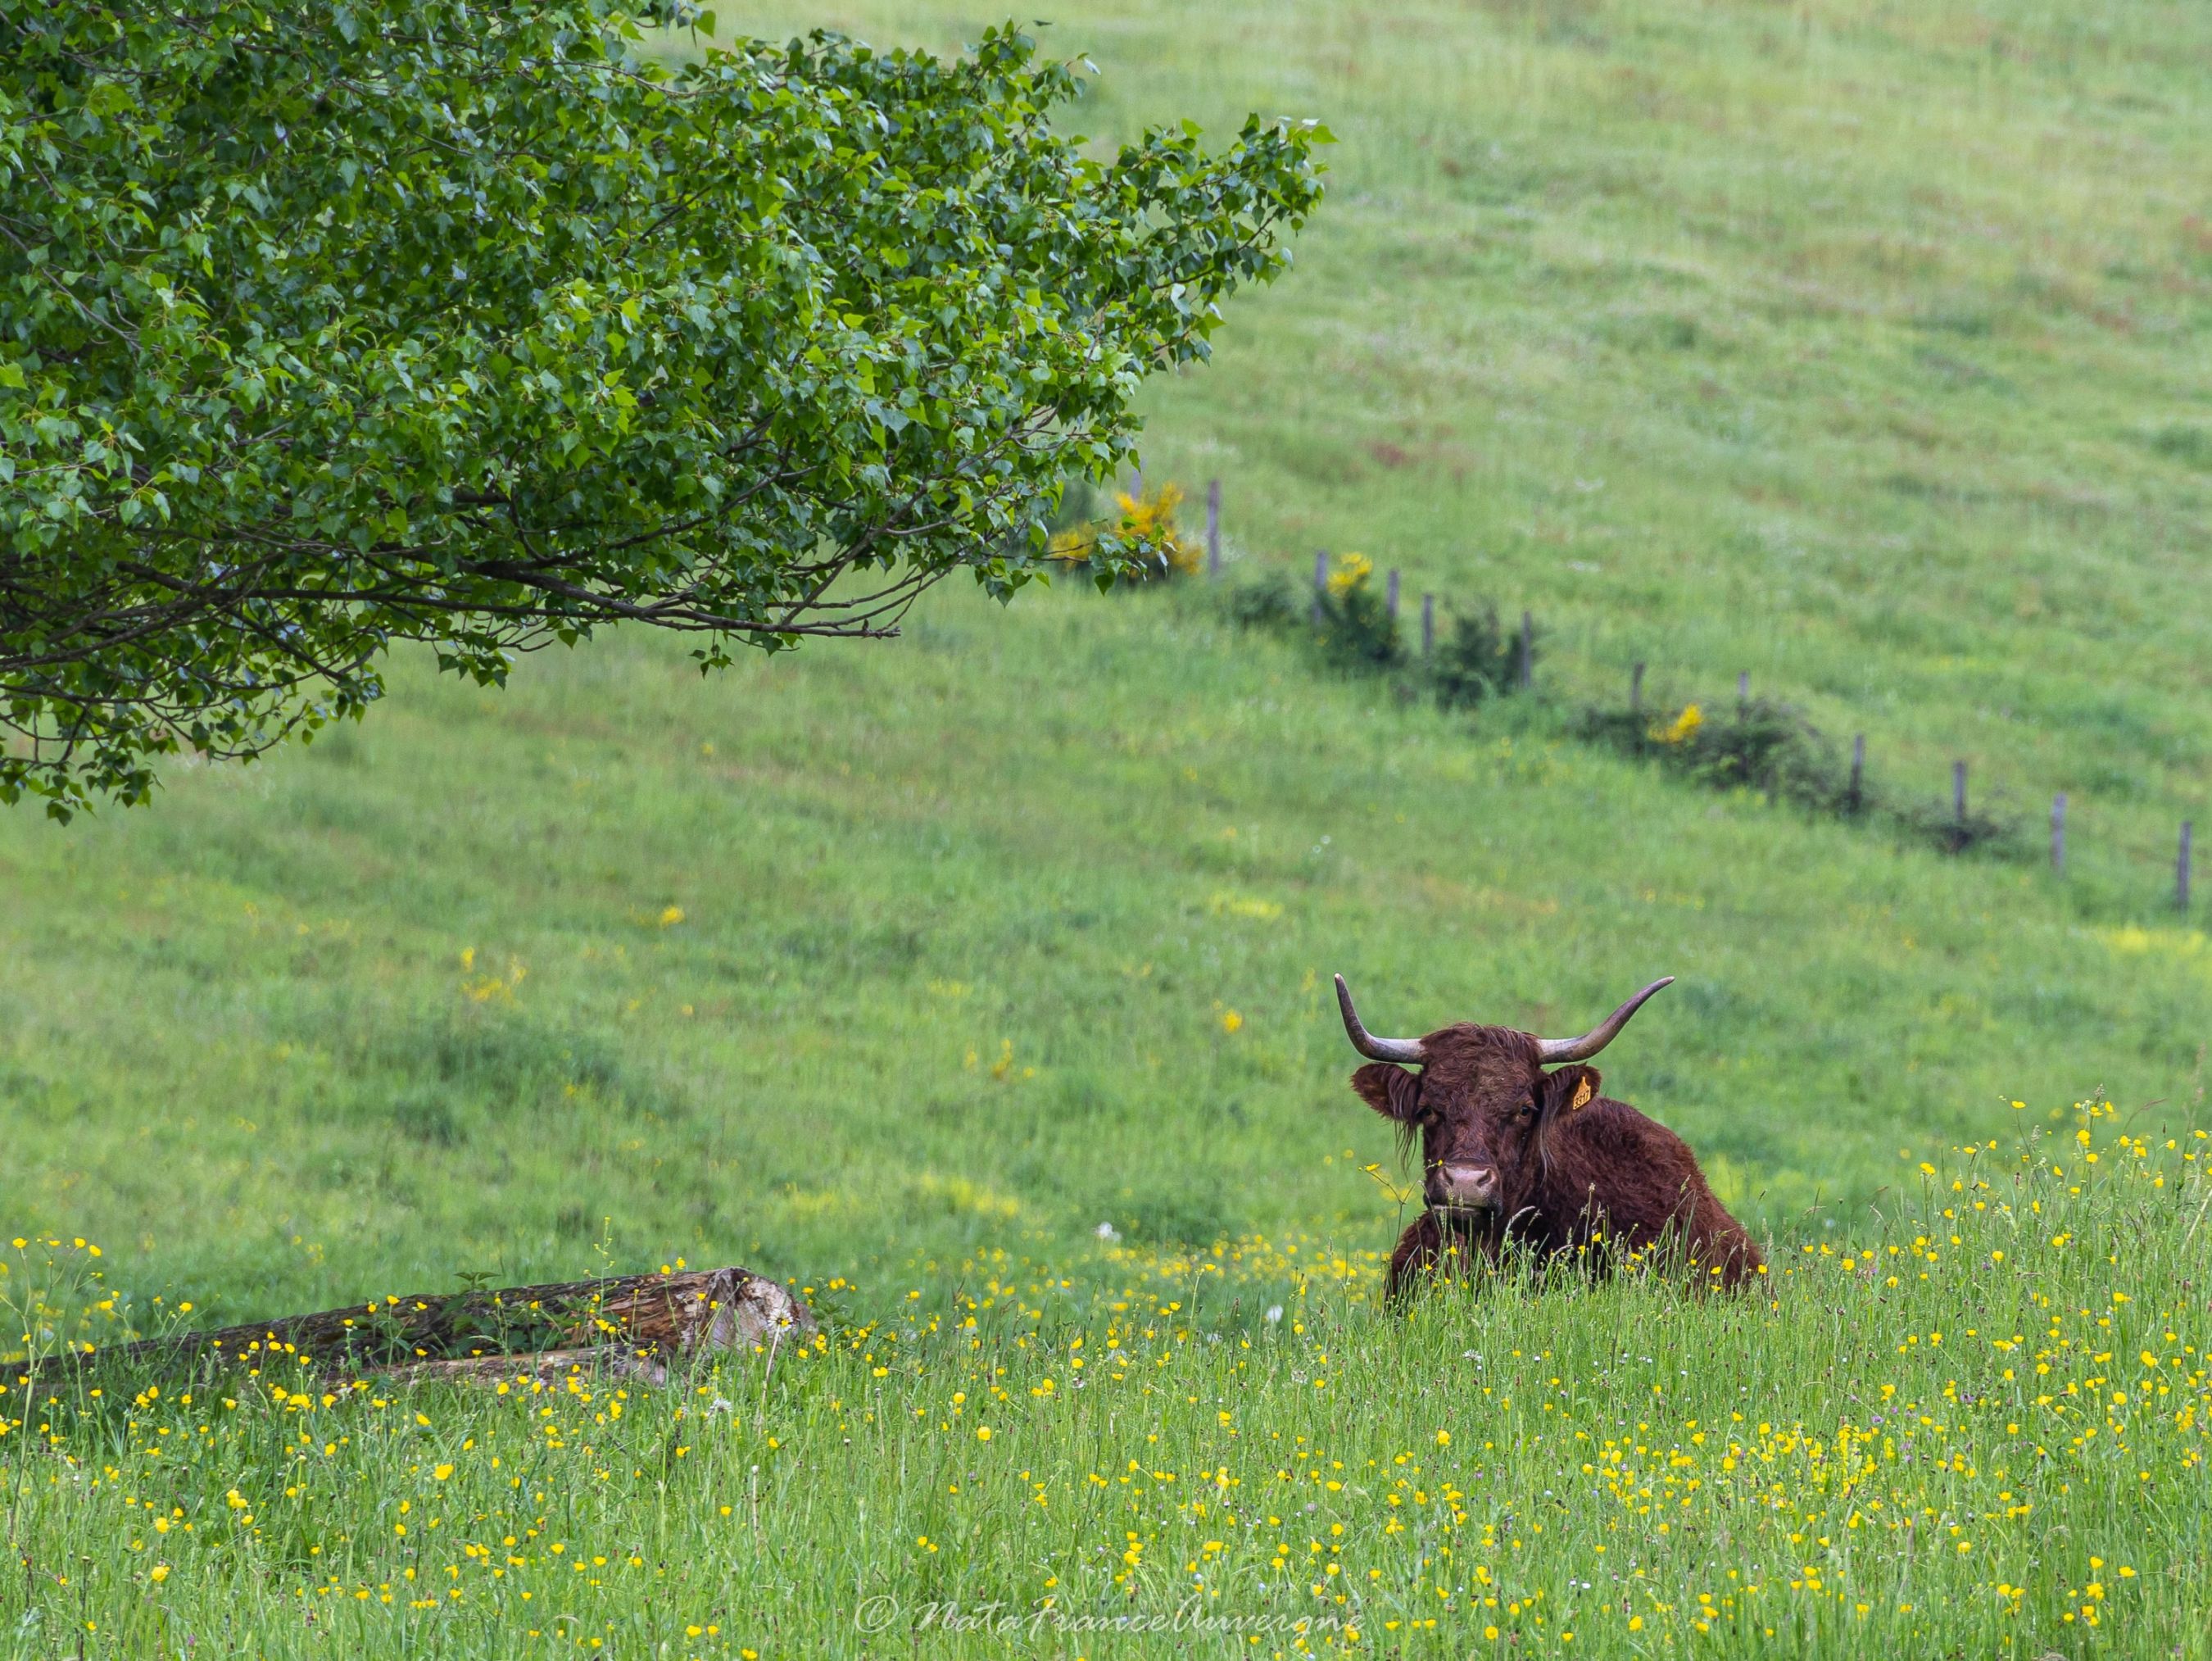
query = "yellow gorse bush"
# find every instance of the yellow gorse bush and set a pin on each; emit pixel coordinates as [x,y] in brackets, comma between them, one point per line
[1680,730]
[1151,520]
[1148,519]
[1352,570]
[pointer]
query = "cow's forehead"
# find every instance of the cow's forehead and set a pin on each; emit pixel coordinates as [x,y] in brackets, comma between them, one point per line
[1467,1056]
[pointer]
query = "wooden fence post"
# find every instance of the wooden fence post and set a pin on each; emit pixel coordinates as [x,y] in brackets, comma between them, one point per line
[2181,870]
[2058,833]
[1390,596]
[1428,624]
[1858,771]
[1321,581]
[1213,528]
[1742,691]
[1959,794]
[1528,652]
[1635,689]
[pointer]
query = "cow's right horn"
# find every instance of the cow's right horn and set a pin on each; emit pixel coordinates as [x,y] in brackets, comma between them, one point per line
[1377,1049]
[1550,1050]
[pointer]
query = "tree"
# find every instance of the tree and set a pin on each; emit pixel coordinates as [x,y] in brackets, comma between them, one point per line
[325,326]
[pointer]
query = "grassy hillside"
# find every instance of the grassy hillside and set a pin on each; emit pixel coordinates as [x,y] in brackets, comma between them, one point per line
[963,919]
[1866,348]
[1862,347]
[854,957]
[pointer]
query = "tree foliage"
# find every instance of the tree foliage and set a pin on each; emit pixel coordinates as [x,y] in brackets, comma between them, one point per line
[325,326]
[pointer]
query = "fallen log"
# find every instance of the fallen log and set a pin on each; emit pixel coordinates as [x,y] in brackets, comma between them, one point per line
[637,1325]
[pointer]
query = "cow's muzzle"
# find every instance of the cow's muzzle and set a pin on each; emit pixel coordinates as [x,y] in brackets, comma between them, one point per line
[1461,1190]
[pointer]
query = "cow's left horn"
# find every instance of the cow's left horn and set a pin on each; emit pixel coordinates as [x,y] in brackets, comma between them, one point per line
[1581,1049]
[1407,1051]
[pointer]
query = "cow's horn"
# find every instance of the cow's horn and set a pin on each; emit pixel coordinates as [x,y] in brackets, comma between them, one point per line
[1581,1049]
[1374,1049]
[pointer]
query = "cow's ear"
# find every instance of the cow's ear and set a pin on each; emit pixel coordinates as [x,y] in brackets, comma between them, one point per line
[1389,1090]
[1569,1089]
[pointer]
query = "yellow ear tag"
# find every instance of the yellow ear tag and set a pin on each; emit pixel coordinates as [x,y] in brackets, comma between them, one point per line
[1582,1094]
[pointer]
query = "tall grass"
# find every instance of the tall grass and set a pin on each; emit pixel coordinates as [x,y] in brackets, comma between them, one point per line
[1976,1426]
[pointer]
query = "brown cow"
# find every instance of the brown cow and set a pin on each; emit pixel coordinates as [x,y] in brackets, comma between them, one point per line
[1511,1152]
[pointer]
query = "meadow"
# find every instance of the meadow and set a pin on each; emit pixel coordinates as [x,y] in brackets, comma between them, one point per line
[983,975]
[1979,1427]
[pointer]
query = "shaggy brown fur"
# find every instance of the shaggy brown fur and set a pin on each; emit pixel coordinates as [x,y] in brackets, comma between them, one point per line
[1574,1170]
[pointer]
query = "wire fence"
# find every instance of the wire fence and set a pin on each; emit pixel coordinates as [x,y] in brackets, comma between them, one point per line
[1966,827]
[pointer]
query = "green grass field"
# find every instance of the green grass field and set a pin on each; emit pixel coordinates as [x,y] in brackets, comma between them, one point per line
[1867,349]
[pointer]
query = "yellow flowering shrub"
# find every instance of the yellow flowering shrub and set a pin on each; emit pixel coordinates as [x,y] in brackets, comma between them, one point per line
[1356,628]
[1148,520]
